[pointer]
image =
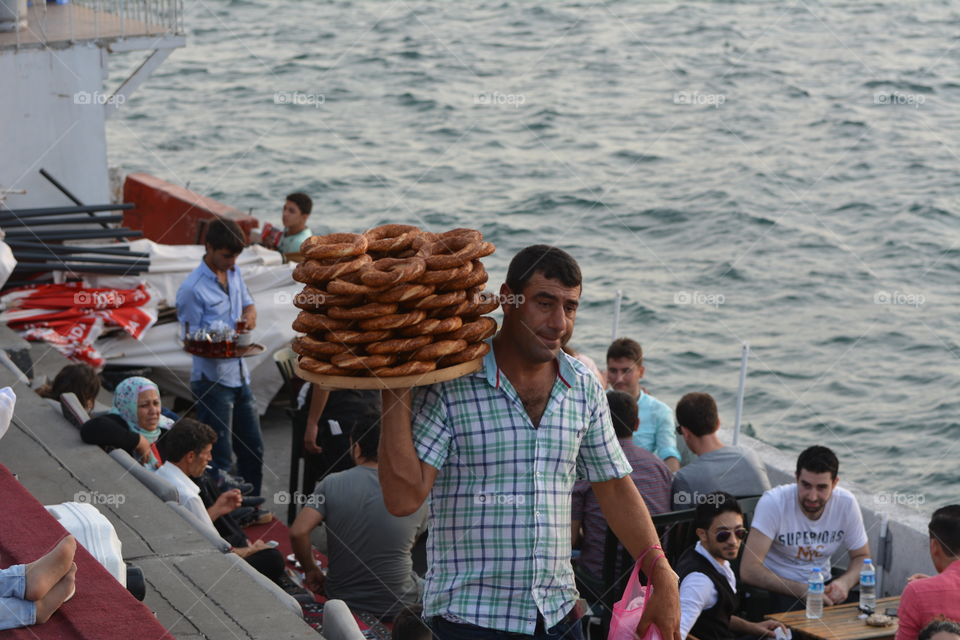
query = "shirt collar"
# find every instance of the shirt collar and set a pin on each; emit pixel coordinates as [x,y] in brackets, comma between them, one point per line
[174,472]
[491,371]
[208,272]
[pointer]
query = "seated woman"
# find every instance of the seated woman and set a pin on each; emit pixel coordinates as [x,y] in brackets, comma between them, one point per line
[79,379]
[134,424]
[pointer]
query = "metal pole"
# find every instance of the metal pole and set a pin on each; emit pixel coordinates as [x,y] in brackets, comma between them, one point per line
[615,329]
[103,220]
[57,249]
[40,212]
[53,259]
[744,355]
[75,235]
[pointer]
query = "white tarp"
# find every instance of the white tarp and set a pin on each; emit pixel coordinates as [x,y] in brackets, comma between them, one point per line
[270,284]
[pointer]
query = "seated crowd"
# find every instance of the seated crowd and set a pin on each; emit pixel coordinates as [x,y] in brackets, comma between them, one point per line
[793,528]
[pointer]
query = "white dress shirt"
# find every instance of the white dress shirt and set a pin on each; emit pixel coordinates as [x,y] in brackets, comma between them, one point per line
[697,592]
[188,493]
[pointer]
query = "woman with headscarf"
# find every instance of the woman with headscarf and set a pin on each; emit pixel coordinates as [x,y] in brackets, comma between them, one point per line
[134,424]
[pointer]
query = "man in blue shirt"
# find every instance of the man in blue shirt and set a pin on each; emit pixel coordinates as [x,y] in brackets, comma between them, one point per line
[213,292]
[656,433]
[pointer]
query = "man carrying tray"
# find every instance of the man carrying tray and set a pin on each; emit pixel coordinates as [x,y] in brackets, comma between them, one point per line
[498,451]
[215,291]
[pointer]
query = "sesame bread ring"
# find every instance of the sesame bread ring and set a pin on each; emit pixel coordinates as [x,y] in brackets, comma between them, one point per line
[443,276]
[438,300]
[432,326]
[315,299]
[307,346]
[390,238]
[393,321]
[472,234]
[356,337]
[317,273]
[352,361]
[403,293]
[389,272]
[423,242]
[473,331]
[308,322]
[454,251]
[436,350]
[398,345]
[334,245]
[472,352]
[371,310]
[350,285]
[487,302]
[477,276]
[486,248]
[411,368]
[323,368]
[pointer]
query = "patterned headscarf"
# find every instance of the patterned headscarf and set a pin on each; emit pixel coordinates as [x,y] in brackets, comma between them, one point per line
[125,399]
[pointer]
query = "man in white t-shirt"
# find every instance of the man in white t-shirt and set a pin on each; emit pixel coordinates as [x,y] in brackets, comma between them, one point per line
[797,527]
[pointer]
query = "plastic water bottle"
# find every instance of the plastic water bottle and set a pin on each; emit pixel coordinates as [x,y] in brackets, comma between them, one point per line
[868,587]
[815,594]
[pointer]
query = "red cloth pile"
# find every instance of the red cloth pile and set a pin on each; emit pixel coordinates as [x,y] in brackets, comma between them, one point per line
[71,317]
[101,608]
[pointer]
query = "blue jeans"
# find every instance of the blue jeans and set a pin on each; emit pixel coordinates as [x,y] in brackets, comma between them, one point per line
[14,610]
[216,405]
[446,630]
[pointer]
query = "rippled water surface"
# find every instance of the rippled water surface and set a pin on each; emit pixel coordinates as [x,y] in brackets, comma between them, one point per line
[781,173]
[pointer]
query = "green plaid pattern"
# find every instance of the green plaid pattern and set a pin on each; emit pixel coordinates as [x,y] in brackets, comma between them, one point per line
[499,545]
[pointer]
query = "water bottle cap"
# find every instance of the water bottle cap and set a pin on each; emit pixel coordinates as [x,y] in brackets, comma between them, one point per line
[868,561]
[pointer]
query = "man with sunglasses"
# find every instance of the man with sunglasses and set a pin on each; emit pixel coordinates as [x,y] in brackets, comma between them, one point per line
[708,585]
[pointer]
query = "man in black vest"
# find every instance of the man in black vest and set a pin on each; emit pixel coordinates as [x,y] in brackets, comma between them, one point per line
[708,586]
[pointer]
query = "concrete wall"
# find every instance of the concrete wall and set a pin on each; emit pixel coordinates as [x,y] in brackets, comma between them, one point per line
[907,529]
[46,124]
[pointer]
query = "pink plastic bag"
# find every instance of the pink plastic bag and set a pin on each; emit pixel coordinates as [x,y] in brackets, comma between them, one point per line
[627,611]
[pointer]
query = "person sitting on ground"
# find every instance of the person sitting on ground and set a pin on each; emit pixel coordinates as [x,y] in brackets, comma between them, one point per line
[134,424]
[926,598]
[187,449]
[409,625]
[656,433]
[799,527]
[371,567]
[80,379]
[30,593]
[940,630]
[708,585]
[719,467]
[650,475]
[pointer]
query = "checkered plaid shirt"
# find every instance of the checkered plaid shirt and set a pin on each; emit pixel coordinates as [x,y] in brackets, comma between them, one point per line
[499,545]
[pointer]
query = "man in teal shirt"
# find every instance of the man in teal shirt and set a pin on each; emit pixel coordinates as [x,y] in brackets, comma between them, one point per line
[656,433]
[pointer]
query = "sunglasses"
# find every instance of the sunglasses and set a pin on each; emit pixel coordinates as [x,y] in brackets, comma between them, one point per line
[723,536]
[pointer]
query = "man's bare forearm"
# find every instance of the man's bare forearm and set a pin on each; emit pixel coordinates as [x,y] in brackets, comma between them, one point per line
[303,550]
[399,468]
[759,576]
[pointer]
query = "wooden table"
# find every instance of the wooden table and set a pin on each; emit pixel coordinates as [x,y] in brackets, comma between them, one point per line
[839,623]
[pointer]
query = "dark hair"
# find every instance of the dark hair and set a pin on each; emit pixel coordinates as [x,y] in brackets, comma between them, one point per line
[553,263]
[817,459]
[409,625]
[698,413]
[303,202]
[623,412]
[224,233]
[185,435]
[80,379]
[712,505]
[366,433]
[944,527]
[938,625]
[625,348]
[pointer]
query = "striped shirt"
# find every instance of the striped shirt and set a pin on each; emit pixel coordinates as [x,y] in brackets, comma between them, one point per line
[499,544]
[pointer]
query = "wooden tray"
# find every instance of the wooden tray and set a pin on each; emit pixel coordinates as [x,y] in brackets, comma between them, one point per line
[242,352]
[398,382]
